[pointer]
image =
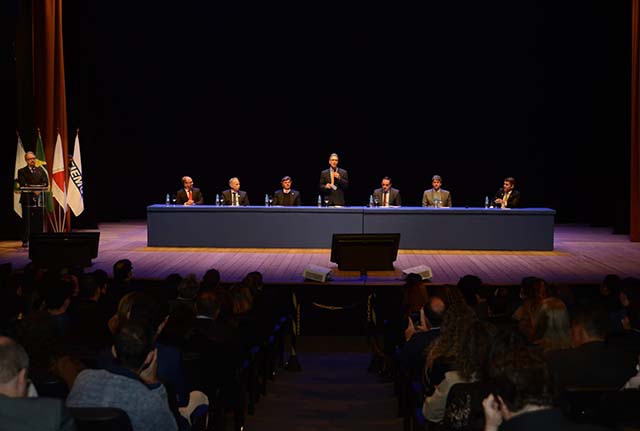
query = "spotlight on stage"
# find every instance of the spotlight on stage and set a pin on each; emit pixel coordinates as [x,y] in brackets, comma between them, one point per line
[422,270]
[316,273]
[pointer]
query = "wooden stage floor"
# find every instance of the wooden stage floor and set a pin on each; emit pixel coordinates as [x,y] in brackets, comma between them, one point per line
[582,255]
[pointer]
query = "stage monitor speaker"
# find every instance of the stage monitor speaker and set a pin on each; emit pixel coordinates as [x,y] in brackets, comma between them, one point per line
[364,252]
[422,270]
[63,249]
[316,273]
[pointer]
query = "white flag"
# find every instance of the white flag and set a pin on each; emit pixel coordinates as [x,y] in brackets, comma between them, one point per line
[75,196]
[58,187]
[20,163]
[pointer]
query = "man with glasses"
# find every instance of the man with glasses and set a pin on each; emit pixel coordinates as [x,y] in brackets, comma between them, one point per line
[31,175]
[387,196]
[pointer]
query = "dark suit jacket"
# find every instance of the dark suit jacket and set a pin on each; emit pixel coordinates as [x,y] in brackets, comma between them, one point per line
[592,364]
[26,414]
[243,198]
[336,197]
[279,196]
[514,198]
[394,197]
[26,178]
[181,197]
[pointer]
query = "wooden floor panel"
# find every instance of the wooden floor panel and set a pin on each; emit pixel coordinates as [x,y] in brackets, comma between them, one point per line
[581,255]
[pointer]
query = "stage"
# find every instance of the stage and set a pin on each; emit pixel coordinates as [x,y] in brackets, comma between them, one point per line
[581,255]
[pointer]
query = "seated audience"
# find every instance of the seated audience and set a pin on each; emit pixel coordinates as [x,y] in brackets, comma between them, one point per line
[551,330]
[599,365]
[521,395]
[131,384]
[20,411]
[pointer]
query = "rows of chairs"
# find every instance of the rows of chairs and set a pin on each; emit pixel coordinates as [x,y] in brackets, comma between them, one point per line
[237,397]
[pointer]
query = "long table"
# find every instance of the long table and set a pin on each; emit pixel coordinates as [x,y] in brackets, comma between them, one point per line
[313,227]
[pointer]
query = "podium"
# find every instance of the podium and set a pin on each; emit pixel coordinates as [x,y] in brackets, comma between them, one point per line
[34,220]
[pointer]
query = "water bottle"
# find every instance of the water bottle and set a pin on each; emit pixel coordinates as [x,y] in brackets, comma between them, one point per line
[371,201]
[167,200]
[217,200]
[486,201]
[266,200]
[436,203]
[319,200]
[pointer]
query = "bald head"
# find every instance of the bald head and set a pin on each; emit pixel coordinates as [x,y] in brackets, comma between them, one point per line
[14,362]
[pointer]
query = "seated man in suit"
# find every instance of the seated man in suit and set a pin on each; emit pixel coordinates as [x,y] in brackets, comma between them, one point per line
[387,196]
[188,195]
[507,196]
[234,196]
[436,197]
[17,411]
[286,196]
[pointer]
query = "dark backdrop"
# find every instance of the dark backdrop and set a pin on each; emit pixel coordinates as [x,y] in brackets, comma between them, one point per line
[472,91]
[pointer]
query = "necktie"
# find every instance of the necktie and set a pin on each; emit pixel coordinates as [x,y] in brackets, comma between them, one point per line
[332,180]
[384,199]
[235,199]
[190,195]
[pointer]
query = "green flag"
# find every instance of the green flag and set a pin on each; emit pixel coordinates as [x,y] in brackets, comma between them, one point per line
[41,161]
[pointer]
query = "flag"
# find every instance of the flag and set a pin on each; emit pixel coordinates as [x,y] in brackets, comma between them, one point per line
[57,185]
[41,161]
[17,207]
[75,198]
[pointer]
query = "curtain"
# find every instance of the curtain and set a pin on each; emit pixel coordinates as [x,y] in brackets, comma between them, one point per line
[48,77]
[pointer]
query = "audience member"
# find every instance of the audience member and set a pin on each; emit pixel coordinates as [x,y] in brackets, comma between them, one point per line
[551,330]
[468,365]
[121,284]
[521,395]
[18,410]
[533,290]
[599,365]
[132,385]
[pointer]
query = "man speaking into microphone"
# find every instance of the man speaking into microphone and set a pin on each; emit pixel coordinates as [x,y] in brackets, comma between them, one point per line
[333,182]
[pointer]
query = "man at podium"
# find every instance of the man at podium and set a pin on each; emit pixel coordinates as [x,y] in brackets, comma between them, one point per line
[29,176]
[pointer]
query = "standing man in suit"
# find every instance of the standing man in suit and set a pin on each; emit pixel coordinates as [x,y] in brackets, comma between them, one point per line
[286,196]
[387,196]
[18,411]
[189,195]
[443,196]
[333,182]
[31,175]
[507,196]
[234,196]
